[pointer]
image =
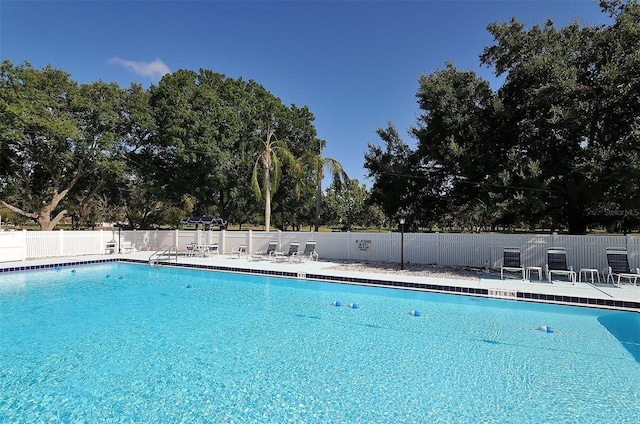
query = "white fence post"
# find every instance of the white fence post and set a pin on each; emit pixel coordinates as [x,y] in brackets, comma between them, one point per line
[24,245]
[61,242]
[347,248]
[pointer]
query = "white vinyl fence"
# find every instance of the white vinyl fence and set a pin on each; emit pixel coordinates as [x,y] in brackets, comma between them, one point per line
[471,250]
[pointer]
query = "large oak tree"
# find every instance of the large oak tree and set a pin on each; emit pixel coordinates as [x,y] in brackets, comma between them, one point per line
[557,145]
[53,133]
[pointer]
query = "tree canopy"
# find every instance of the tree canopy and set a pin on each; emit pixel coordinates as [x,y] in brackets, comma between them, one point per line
[556,146]
[185,146]
[54,132]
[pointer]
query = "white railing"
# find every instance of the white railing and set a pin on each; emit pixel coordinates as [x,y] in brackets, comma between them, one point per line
[472,250]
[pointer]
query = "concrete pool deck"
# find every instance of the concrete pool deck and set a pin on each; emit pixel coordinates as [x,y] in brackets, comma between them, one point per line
[597,295]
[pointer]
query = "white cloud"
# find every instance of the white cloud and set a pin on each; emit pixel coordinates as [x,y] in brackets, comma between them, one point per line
[157,68]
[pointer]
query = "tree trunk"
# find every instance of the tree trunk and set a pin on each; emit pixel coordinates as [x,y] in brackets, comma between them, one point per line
[48,224]
[43,217]
[267,201]
[576,221]
[318,203]
[577,193]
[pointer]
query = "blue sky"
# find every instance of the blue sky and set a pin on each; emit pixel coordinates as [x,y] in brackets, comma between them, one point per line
[355,64]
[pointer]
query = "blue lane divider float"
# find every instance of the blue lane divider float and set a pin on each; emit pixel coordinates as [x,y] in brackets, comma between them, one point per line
[108,276]
[414,313]
[546,329]
[351,305]
[58,269]
[73,271]
[121,278]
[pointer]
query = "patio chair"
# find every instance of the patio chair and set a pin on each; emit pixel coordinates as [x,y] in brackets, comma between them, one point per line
[618,261]
[557,264]
[239,252]
[192,249]
[265,254]
[293,249]
[128,247]
[110,247]
[210,250]
[511,261]
[309,252]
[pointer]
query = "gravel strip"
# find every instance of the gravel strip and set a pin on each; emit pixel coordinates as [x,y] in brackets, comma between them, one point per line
[435,271]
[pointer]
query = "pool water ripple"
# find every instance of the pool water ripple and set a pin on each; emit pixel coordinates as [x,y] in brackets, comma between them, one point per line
[170,345]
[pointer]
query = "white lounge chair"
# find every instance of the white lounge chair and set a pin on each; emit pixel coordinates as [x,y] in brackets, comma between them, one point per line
[281,256]
[618,261]
[309,252]
[265,254]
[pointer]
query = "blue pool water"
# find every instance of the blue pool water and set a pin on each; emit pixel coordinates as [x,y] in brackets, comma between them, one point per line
[171,345]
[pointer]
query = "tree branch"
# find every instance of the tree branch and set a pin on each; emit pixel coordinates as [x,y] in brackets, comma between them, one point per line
[18,210]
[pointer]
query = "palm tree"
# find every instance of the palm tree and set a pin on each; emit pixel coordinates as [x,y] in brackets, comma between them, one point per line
[269,160]
[317,164]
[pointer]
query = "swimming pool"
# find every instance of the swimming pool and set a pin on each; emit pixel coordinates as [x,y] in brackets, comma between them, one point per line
[174,345]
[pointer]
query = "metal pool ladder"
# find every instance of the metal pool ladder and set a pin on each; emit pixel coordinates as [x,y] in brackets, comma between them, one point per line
[164,255]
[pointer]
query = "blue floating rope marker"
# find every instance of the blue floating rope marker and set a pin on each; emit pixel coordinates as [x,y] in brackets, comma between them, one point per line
[546,329]
[353,305]
[108,276]
[58,269]
[188,286]
[337,303]
[121,278]
[414,313]
[73,271]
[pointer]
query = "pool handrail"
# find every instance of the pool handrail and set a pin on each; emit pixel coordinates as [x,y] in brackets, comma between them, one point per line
[164,254]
